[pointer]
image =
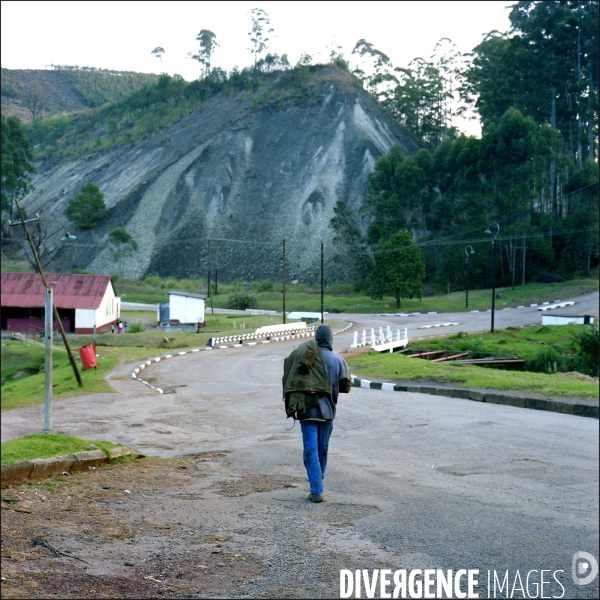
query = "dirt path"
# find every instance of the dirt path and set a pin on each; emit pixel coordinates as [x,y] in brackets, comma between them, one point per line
[178,528]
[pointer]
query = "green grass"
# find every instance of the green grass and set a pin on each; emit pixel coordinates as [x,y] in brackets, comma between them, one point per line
[30,390]
[518,343]
[20,356]
[113,349]
[341,298]
[46,445]
[398,367]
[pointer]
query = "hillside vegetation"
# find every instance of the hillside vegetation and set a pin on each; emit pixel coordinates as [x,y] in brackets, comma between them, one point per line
[35,93]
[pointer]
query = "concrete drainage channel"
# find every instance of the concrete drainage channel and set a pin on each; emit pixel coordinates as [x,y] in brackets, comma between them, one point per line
[42,468]
[578,407]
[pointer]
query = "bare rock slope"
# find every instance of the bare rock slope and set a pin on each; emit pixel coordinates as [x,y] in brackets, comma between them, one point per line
[233,170]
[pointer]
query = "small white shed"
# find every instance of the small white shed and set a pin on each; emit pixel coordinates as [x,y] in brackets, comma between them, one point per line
[567,319]
[186,308]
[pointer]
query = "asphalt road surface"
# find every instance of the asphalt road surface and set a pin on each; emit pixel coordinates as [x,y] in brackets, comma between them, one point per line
[431,482]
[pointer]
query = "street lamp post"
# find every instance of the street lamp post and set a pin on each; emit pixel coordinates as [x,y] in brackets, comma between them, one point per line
[322,286]
[284,281]
[468,250]
[493,268]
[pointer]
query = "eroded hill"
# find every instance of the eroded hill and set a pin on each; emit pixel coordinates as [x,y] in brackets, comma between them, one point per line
[251,173]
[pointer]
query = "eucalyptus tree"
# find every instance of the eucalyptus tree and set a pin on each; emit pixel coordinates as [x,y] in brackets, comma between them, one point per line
[208,44]
[158,52]
[260,34]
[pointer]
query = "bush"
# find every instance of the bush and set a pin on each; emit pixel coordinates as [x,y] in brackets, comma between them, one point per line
[547,360]
[241,300]
[546,277]
[265,286]
[153,280]
[589,348]
[135,328]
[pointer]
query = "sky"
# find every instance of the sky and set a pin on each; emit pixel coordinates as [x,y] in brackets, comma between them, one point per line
[122,35]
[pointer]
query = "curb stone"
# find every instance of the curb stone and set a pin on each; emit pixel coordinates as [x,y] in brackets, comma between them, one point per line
[579,409]
[42,468]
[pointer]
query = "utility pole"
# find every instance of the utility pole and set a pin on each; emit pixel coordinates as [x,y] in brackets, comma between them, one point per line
[48,360]
[493,270]
[322,287]
[217,270]
[212,309]
[56,315]
[284,281]
[468,250]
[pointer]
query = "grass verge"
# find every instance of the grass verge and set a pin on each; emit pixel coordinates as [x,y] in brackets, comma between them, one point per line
[397,367]
[30,390]
[46,445]
[518,343]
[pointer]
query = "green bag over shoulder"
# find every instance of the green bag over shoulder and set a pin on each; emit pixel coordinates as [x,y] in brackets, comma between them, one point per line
[305,378]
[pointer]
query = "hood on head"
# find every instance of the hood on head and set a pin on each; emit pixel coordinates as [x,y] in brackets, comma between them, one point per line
[324,336]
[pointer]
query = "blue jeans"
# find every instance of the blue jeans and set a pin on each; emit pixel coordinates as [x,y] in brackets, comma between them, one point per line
[315,437]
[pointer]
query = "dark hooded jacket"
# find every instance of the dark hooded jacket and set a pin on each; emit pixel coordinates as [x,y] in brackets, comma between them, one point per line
[321,403]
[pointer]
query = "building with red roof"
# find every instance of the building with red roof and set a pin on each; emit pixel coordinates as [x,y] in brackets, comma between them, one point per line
[83,301]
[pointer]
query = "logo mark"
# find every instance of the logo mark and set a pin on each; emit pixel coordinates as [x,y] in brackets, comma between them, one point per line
[584,562]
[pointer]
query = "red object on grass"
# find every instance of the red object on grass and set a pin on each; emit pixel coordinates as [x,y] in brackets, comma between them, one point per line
[88,357]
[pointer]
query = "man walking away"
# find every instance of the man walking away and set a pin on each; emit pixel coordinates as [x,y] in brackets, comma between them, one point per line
[316,420]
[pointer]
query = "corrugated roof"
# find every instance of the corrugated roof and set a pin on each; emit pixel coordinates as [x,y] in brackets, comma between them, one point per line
[188,295]
[70,291]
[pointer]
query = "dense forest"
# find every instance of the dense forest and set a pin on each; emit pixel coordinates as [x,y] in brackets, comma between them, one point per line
[530,180]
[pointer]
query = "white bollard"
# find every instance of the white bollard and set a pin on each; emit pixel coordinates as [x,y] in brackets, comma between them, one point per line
[372,337]
[397,335]
[406,333]
[381,339]
[355,342]
[364,337]
[388,334]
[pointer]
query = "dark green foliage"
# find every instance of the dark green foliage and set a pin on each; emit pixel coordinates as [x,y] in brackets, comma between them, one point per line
[353,256]
[398,269]
[546,67]
[589,350]
[87,208]
[16,165]
[241,300]
[120,237]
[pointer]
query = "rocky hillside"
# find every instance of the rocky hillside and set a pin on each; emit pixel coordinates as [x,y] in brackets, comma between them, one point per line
[247,173]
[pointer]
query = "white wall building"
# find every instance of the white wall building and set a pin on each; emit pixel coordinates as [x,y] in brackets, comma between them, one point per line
[567,319]
[185,307]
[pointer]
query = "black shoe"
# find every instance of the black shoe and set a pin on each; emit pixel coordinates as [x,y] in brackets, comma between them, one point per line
[316,497]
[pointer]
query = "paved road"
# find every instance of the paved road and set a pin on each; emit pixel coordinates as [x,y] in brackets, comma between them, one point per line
[433,482]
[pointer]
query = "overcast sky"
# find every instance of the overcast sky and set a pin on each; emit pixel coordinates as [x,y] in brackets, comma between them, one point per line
[122,35]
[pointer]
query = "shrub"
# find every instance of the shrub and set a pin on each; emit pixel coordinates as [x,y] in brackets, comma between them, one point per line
[154,280]
[241,300]
[265,286]
[589,347]
[546,360]
[545,277]
[136,328]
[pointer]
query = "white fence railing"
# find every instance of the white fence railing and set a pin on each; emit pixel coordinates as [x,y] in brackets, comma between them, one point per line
[382,341]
